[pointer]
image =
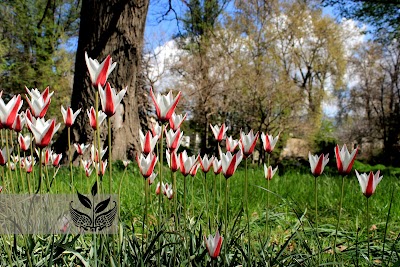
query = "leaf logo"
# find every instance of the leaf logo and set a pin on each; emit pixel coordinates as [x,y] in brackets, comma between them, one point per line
[97,221]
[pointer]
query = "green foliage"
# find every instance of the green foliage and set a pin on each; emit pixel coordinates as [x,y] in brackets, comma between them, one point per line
[324,139]
[34,47]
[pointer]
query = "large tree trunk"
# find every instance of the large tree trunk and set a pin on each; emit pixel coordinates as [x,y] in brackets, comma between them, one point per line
[116,28]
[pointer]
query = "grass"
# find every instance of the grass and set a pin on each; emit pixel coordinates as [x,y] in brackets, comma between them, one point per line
[291,240]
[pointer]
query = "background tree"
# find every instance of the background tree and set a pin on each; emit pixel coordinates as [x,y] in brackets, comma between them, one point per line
[113,28]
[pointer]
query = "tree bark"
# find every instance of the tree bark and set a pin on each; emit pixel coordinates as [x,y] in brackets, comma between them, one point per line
[116,28]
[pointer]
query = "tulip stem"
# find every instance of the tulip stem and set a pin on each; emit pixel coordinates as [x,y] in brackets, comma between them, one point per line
[267,208]
[98,142]
[40,171]
[246,201]
[226,217]
[144,213]
[205,198]
[316,218]
[161,193]
[109,154]
[339,215]
[70,159]
[9,163]
[368,229]
[215,206]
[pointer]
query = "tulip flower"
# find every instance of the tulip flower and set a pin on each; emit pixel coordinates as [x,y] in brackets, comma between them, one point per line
[55,159]
[29,163]
[174,139]
[318,163]
[24,142]
[43,131]
[230,162]
[151,178]
[156,129]
[39,102]
[248,143]
[160,188]
[231,144]
[173,160]
[344,159]
[269,172]
[101,167]
[88,171]
[146,164]
[3,156]
[46,156]
[206,163]
[219,132]
[165,104]
[169,192]
[81,148]
[19,123]
[11,166]
[126,162]
[86,163]
[110,99]
[269,142]
[14,159]
[92,117]
[147,142]
[186,163]
[69,116]
[9,111]
[95,153]
[213,245]
[368,182]
[176,120]
[217,166]
[99,72]
[194,169]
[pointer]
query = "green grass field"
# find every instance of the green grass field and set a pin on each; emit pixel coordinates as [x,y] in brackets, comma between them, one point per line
[290,238]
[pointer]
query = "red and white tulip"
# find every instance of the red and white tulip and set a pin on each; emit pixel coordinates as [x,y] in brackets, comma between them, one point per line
[92,117]
[81,148]
[173,160]
[19,123]
[269,172]
[94,153]
[55,159]
[176,120]
[99,72]
[186,163]
[269,142]
[194,169]
[318,163]
[147,142]
[230,162]
[40,102]
[219,132]
[214,244]
[24,142]
[248,143]
[345,160]
[173,139]
[146,164]
[4,156]
[69,116]
[9,111]
[368,182]
[231,144]
[110,99]
[217,166]
[43,131]
[165,104]
[101,167]
[206,163]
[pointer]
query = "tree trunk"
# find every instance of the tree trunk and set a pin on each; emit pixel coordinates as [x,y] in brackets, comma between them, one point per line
[116,28]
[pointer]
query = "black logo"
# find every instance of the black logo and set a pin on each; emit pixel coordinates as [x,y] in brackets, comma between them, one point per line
[97,221]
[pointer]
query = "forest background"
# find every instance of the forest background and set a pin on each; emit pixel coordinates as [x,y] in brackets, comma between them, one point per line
[319,72]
